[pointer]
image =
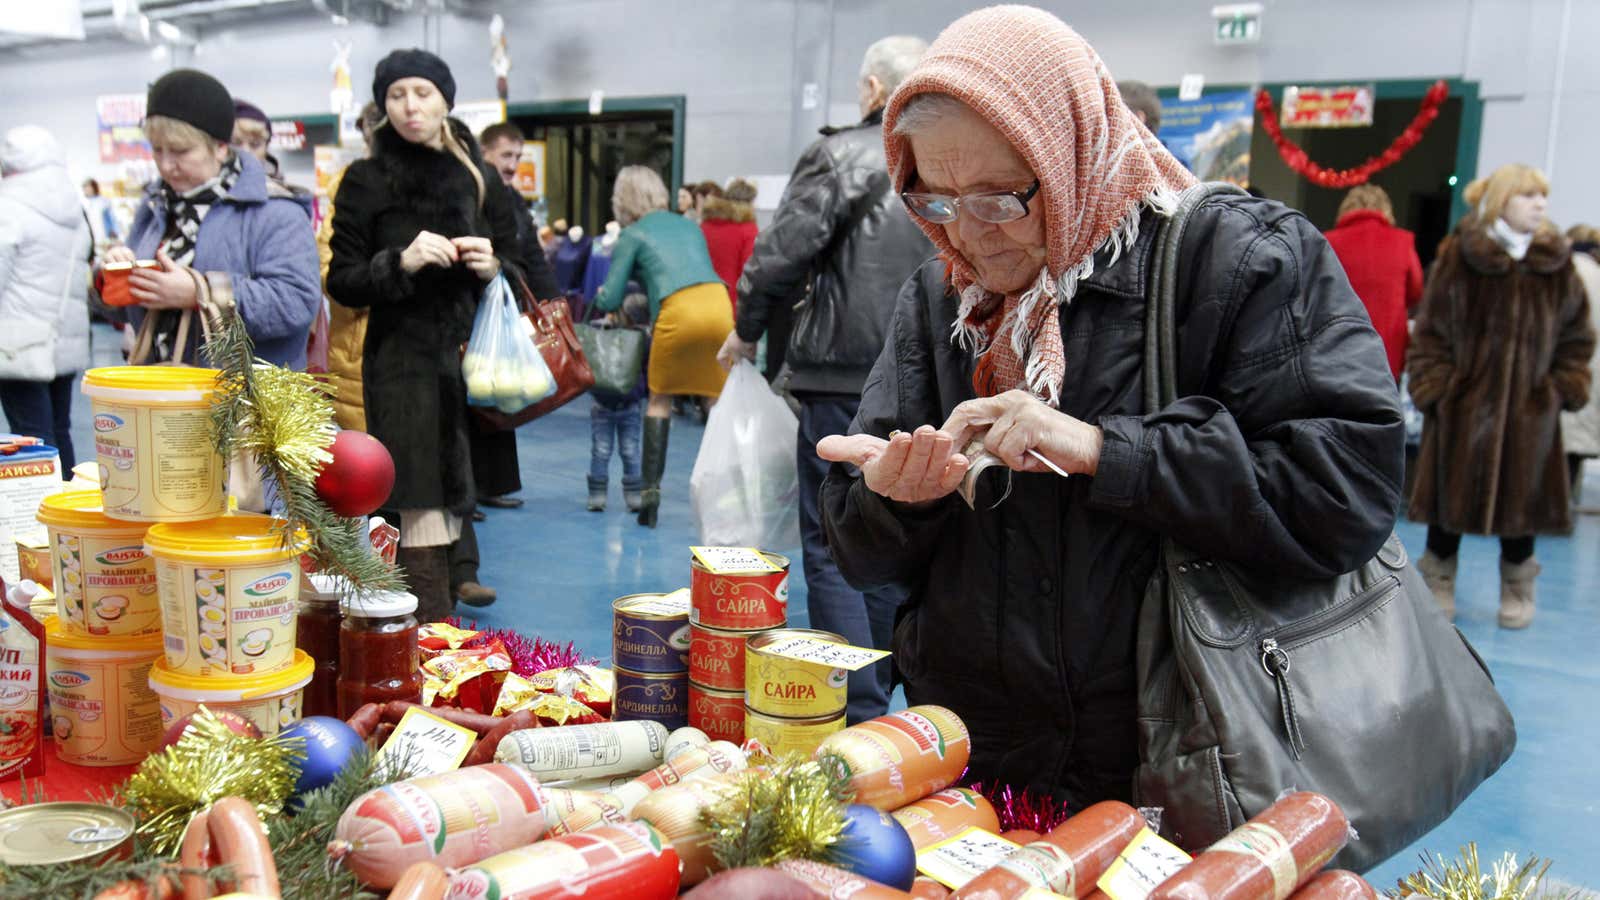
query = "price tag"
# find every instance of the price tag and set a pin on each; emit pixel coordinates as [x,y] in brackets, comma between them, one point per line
[958,860]
[433,745]
[733,560]
[673,604]
[1147,861]
[835,656]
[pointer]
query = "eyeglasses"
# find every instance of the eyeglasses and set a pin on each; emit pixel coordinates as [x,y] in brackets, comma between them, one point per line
[994,207]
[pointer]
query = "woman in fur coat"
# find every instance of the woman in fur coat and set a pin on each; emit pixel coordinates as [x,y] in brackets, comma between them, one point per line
[418,229]
[1501,348]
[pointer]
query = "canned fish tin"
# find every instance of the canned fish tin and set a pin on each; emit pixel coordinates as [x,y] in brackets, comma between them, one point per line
[716,657]
[42,834]
[745,601]
[780,735]
[785,687]
[654,697]
[650,634]
[720,714]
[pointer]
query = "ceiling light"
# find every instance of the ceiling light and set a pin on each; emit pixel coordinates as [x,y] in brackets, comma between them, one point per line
[168,31]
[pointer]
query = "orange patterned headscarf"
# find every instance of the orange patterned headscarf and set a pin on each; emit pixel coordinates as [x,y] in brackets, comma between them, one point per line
[1042,86]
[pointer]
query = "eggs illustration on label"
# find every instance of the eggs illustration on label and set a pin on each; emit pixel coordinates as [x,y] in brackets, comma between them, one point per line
[256,642]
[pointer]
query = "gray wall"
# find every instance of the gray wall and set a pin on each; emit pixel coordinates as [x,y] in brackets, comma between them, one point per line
[742,65]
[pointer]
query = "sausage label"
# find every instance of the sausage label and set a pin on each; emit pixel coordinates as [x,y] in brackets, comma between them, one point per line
[1044,865]
[1266,844]
[1147,861]
[964,857]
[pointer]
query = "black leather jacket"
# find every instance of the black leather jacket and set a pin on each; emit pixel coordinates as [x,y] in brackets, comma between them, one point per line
[841,226]
[1283,451]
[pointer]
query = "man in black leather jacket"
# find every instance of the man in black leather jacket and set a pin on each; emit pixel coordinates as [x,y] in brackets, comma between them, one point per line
[842,230]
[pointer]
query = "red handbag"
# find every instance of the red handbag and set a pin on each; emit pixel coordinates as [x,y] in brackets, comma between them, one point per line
[550,327]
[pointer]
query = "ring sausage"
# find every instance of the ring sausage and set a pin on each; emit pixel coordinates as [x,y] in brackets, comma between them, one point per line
[240,841]
[1269,856]
[1070,859]
[421,881]
[395,710]
[195,853]
[1336,885]
[483,750]
[365,719]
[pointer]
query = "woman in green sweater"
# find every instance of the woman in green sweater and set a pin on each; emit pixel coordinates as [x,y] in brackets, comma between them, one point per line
[689,309]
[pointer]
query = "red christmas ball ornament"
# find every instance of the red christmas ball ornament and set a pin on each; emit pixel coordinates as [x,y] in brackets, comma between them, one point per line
[359,478]
[236,723]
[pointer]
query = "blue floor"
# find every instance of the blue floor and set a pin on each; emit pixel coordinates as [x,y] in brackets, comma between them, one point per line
[557,568]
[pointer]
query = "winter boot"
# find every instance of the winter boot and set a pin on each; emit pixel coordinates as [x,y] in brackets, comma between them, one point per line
[1440,574]
[654,463]
[597,496]
[1516,593]
[630,493]
[427,572]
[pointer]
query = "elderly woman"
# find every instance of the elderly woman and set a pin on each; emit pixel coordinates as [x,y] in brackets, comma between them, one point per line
[1043,194]
[214,220]
[688,305]
[1502,347]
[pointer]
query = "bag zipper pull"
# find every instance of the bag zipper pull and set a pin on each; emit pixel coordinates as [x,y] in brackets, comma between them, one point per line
[1276,663]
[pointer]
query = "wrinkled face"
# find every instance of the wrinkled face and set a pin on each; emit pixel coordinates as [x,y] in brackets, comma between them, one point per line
[416,109]
[965,155]
[1526,212]
[504,154]
[184,166]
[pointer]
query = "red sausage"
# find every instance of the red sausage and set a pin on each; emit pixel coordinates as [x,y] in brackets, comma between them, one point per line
[925,888]
[1266,857]
[1336,885]
[1070,859]
[365,719]
[1022,836]
[395,710]
[483,750]
[837,884]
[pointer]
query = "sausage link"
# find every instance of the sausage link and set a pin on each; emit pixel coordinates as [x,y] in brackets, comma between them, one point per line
[1267,857]
[241,842]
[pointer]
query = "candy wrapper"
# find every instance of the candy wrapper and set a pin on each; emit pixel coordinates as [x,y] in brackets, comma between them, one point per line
[466,679]
[385,538]
[520,693]
[436,636]
[590,685]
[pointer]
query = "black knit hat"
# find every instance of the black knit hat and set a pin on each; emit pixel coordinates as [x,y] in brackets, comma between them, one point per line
[413,63]
[192,96]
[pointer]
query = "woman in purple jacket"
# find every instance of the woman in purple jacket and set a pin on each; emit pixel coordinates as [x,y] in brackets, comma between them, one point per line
[214,217]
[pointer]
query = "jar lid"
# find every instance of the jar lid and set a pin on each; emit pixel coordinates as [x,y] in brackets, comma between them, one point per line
[226,687]
[80,509]
[325,588]
[151,384]
[380,604]
[238,538]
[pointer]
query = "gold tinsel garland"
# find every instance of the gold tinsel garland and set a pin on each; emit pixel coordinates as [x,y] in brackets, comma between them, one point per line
[790,809]
[209,762]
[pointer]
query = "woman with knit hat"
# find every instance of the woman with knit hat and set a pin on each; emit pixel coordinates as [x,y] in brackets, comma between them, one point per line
[1043,192]
[419,228]
[215,223]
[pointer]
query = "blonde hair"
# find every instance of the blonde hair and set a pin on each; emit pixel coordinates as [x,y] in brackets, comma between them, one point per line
[1367,196]
[1488,196]
[638,190]
[252,127]
[1583,234]
[167,130]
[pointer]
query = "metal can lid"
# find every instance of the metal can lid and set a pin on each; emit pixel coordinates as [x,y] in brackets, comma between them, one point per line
[768,638]
[46,833]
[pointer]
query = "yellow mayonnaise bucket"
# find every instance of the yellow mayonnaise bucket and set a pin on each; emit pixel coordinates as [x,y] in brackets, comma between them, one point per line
[230,592]
[271,701]
[102,710]
[105,581]
[152,436]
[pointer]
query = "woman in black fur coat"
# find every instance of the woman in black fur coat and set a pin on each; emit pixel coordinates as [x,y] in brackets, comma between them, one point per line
[418,230]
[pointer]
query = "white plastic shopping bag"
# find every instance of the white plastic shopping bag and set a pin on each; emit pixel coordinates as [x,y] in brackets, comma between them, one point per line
[502,367]
[745,491]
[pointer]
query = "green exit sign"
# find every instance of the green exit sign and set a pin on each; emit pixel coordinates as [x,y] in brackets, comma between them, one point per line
[1237,24]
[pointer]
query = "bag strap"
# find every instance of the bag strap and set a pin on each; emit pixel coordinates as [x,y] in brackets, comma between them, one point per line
[1161,293]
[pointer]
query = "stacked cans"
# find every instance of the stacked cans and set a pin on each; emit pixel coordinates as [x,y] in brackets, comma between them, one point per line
[792,705]
[727,610]
[650,658]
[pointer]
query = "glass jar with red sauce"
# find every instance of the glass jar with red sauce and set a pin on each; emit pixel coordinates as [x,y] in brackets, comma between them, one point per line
[317,633]
[378,658]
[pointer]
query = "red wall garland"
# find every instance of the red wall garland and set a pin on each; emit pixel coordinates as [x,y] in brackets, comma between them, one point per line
[1297,159]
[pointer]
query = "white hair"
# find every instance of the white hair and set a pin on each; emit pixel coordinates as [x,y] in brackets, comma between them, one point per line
[924,112]
[891,59]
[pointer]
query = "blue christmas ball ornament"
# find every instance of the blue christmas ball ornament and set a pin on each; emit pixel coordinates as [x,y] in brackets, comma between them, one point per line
[875,846]
[329,745]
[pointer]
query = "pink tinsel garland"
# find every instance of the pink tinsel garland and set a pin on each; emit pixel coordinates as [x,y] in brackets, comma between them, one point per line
[529,656]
